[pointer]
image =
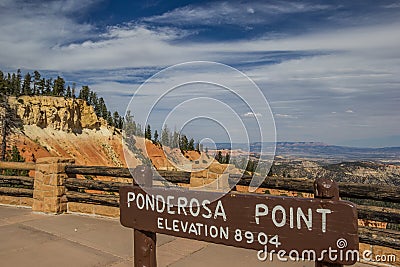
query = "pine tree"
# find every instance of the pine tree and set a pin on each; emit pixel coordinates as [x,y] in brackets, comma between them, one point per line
[73,90]
[227,158]
[102,108]
[92,98]
[9,122]
[191,144]
[69,93]
[116,120]
[139,130]
[218,157]
[15,155]
[155,140]
[84,94]
[109,119]
[147,132]
[165,136]
[15,91]
[175,140]
[40,86]
[18,82]
[36,82]
[183,143]
[59,87]
[130,131]
[48,87]
[26,86]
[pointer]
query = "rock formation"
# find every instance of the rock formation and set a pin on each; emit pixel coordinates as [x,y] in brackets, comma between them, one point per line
[70,115]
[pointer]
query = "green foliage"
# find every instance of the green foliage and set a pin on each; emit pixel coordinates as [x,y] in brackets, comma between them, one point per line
[59,87]
[12,85]
[14,156]
[26,86]
[165,136]
[69,92]
[183,143]
[147,132]
[84,93]
[191,144]
[219,157]
[155,140]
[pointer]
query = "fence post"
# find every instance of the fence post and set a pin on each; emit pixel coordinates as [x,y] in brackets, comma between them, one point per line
[48,188]
[326,189]
[144,241]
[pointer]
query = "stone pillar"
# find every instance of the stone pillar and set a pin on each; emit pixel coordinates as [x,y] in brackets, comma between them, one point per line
[49,190]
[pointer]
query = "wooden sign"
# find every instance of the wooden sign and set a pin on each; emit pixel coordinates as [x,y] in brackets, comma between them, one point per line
[316,229]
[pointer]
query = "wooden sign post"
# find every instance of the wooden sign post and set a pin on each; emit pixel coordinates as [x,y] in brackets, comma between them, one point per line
[312,228]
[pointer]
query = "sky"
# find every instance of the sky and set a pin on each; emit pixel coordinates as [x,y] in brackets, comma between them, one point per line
[329,70]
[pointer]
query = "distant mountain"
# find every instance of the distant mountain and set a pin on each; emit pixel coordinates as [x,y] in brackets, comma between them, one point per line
[321,151]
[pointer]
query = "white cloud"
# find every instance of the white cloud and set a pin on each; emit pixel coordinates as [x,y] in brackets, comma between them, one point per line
[232,13]
[252,114]
[285,116]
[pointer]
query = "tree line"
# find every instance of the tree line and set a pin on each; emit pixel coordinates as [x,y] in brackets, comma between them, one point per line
[172,139]
[13,84]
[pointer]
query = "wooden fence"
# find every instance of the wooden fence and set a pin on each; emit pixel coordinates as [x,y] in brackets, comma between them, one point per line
[20,186]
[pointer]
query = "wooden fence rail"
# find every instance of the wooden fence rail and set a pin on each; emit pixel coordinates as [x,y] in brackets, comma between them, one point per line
[171,176]
[352,190]
[74,184]
[24,181]
[17,165]
[17,192]
[99,199]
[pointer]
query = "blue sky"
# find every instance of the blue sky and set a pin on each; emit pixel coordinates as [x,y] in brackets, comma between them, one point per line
[330,70]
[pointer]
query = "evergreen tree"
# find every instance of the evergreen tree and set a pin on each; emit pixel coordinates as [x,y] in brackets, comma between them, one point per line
[175,140]
[5,84]
[26,86]
[9,122]
[109,119]
[227,158]
[59,87]
[218,157]
[183,143]
[18,82]
[120,122]
[69,93]
[92,98]
[48,87]
[15,91]
[73,90]
[36,82]
[102,108]
[198,147]
[165,141]
[15,155]
[147,132]
[155,140]
[191,144]
[84,94]
[40,86]
[116,120]
[130,131]
[139,130]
